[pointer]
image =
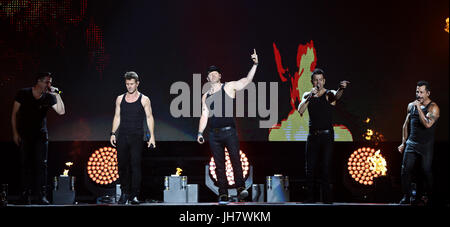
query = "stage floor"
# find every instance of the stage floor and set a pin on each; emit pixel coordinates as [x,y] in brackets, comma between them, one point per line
[243,204]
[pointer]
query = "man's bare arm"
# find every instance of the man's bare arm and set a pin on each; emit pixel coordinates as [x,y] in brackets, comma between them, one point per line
[431,117]
[150,120]
[59,106]
[405,131]
[304,103]
[336,95]
[116,120]
[242,83]
[204,117]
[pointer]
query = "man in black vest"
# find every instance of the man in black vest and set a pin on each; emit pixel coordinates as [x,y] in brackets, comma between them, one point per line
[132,109]
[222,131]
[320,103]
[29,125]
[417,142]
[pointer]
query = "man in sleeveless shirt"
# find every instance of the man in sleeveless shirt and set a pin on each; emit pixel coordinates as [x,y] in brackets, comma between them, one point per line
[417,143]
[133,109]
[320,103]
[222,132]
[29,125]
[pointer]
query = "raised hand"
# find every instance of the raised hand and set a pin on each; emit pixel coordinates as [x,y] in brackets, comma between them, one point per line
[254,57]
[343,84]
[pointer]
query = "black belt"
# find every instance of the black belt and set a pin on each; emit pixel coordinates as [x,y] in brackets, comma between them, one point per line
[318,131]
[221,129]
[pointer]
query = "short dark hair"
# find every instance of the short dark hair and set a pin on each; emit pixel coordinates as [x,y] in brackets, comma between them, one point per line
[42,75]
[212,68]
[424,83]
[131,75]
[316,72]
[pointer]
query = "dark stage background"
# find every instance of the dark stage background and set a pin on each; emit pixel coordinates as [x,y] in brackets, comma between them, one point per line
[383,48]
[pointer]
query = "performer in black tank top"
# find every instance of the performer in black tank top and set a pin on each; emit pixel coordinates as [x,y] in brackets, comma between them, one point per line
[133,110]
[222,128]
[417,144]
[222,120]
[319,145]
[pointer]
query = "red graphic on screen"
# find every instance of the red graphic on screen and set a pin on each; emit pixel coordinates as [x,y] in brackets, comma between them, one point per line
[96,46]
[54,17]
[297,87]
[282,72]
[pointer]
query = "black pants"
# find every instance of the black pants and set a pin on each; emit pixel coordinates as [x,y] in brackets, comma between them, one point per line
[218,141]
[129,157]
[318,156]
[422,155]
[33,162]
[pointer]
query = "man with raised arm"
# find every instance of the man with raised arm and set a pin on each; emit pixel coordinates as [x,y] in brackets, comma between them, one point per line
[320,103]
[222,129]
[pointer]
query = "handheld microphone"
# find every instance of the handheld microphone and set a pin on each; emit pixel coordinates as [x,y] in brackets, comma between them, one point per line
[312,95]
[414,106]
[56,90]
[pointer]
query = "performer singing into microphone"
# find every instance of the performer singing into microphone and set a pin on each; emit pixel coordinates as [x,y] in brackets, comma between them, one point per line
[132,109]
[222,131]
[320,103]
[417,143]
[29,127]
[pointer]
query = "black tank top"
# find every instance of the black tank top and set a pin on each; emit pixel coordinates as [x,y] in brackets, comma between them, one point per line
[132,116]
[220,121]
[320,113]
[418,132]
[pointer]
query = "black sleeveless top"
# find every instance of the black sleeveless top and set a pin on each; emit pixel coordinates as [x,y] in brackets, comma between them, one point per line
[418,132]
[220,97]
[320,113]
[132,116]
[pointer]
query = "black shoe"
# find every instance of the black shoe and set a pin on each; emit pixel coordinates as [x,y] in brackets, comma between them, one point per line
[43,200]
[135,201]
[25,198]
[242,194]
[223,199]
[424,201]
[123,199]
[405,200]
[43,197]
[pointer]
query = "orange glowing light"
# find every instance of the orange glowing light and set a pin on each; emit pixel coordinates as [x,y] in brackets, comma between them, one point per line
[446,25]
[101,165]
[367,165]
[228,167]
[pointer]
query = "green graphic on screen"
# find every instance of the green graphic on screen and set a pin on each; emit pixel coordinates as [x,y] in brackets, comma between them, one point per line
[293,127]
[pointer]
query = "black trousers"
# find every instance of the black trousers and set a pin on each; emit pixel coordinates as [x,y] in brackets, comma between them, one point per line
[218,140]
[33,162]
[414,155]
[129,157]
[318,156]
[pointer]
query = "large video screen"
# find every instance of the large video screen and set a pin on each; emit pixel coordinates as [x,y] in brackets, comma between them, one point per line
[382,49]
